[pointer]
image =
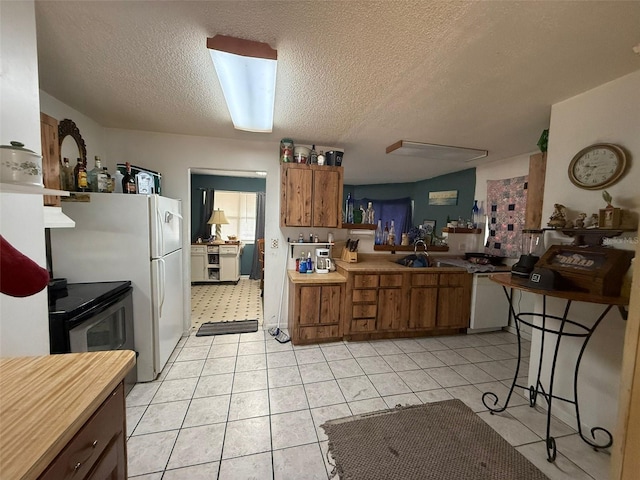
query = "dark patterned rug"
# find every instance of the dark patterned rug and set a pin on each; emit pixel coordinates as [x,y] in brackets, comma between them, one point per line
[436,441]
[225,328]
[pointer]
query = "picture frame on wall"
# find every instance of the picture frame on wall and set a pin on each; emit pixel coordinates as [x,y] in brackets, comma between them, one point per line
[445,197]
[429,226]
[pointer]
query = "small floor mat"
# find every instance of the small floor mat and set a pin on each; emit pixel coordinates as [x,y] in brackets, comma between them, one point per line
[225,328]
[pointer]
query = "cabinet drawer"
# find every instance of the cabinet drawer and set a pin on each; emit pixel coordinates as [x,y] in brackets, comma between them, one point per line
[424,279]
[364,311]
[197,249]
[363,325]
[316,333]
[81,453]
[228,249]
[364,295]
[365,281]
[391,280]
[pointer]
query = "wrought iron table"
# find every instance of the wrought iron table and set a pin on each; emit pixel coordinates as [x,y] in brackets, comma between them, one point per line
[567,328]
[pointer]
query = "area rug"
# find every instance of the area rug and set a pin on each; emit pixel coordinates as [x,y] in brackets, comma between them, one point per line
[436,441]
[225,328]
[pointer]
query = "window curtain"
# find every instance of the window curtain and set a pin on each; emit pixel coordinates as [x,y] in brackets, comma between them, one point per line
[204,232]
[398,210]
[256,269]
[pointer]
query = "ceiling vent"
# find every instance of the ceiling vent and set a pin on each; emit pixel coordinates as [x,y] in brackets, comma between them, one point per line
[436,152]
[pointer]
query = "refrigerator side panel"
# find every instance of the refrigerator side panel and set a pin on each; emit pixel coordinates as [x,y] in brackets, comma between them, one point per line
[165,217]
[168,305]
[111,242]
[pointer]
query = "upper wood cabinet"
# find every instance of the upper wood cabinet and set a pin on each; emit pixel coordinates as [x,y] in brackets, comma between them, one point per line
[310,196]
[50,157]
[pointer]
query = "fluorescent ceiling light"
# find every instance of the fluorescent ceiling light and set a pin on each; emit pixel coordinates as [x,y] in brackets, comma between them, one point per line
[436,152]
[247,74]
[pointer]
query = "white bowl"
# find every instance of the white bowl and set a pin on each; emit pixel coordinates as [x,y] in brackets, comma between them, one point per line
[20,166]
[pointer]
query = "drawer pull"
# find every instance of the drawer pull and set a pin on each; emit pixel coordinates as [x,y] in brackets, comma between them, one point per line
[94,444]
[77,467]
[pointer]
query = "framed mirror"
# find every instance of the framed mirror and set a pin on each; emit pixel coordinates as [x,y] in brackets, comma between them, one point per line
[72,145]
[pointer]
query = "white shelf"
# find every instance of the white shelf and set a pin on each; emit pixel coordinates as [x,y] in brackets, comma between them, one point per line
[31,190]
[293,244]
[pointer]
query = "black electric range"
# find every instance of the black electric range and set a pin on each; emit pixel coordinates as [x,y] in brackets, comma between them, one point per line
[77,303]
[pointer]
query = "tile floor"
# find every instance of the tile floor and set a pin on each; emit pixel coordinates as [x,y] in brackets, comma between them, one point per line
[225,302]
[245,406]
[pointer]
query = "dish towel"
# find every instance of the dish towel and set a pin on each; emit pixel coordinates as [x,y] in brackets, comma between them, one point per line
[19,275]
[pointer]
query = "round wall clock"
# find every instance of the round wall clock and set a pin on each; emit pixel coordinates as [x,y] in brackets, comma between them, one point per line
[597,166]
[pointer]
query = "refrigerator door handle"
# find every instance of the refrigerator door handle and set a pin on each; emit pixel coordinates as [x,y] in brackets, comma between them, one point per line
[160,233]
[168,216]
[162,281]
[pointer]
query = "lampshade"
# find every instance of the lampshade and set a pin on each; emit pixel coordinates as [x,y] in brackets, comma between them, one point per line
[218,218]
[436,152]
[247,74]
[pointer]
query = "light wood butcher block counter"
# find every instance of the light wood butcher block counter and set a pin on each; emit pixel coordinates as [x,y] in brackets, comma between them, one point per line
[45,401]
[315,278]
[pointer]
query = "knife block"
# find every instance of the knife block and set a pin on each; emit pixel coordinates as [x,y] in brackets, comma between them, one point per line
[350,257]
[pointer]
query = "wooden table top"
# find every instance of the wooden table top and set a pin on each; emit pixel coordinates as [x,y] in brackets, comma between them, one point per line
[507,280]
[44,401]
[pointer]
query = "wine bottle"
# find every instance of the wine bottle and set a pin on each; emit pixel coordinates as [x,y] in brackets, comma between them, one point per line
[385,234]
[313,155]
[379,233]
[128,181]
[392,234]
[108,181]
[349,208]
[475,215]
[66,176]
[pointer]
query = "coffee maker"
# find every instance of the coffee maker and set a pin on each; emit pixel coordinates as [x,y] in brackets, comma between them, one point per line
[530,252]
[323,260]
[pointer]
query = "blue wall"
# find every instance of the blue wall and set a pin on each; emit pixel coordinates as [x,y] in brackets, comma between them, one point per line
[464,182]
[232,184]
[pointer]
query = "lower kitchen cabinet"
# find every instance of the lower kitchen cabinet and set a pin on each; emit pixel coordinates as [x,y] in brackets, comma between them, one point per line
[315,309]
[215,263]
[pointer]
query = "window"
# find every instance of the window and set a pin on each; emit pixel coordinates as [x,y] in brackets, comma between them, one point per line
[240,210]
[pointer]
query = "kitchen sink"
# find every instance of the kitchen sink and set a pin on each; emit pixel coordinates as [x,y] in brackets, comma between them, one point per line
[419,260]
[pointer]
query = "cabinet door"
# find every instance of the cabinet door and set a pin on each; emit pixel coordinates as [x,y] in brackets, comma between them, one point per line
[50,157]
[327,190]
[198,267]
[389,308]
[320,305]
[423,305]
[296,196]
[454,300]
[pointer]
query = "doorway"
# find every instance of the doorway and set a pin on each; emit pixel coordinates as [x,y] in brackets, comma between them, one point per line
[217,301]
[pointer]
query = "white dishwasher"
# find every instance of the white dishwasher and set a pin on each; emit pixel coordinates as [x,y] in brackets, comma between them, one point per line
[489,305]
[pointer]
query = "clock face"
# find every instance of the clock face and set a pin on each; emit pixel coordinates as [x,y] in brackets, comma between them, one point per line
[597,166]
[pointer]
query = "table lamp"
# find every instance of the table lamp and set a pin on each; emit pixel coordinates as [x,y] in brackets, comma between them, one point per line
[218,218]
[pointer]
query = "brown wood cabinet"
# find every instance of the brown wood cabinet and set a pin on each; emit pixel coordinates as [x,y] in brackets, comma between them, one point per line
[315,312]
[383,305]
[50,157]
[97,452]
[310,196]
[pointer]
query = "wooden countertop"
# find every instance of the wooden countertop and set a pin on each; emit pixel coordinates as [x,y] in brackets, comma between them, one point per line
[386,266]
[507,280]
[315,278]
[44,401]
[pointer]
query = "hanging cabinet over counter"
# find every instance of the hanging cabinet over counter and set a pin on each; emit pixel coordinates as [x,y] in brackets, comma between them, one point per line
[310,195]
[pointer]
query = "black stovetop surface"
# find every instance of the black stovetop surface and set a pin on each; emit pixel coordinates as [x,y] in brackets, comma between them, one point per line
[78,298]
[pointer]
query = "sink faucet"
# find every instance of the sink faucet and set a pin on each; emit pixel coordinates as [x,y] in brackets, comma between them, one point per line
[424,245]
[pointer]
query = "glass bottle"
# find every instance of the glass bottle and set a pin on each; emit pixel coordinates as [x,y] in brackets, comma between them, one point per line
[309,263]
[379,233]
[80,177]
[108,180]
[385,234]
[321,158]
[302,267]
[349,208]
[96,179]
[370,214]
[475,215]
[66,176]
[392,234]
[313,155]
[128,182]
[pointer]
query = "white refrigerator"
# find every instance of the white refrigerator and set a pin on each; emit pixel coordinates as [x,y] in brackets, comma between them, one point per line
[137,238]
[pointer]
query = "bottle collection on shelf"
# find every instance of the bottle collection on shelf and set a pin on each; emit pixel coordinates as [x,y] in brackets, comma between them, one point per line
[98,179]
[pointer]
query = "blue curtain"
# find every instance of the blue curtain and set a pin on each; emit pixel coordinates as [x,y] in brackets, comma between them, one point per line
[398,210]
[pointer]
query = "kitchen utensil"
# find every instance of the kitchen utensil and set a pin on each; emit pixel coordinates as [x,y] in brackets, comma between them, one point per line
[354,246]
[19,165]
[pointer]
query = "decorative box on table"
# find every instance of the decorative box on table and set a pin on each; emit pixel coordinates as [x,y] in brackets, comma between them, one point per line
[597,270]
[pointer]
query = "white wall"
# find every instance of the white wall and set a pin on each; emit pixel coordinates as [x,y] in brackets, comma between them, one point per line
[24,324]
[609,113]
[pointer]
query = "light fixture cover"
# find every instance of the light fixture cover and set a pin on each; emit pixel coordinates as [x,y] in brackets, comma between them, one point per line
[436,152]
[247,73]
[218,218]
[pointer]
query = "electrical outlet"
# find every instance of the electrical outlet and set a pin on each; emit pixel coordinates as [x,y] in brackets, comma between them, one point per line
[274,243]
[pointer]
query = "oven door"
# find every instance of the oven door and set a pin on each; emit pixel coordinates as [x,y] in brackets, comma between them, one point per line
[111,329]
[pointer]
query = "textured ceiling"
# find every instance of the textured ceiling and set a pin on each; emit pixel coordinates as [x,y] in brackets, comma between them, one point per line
[354,74]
